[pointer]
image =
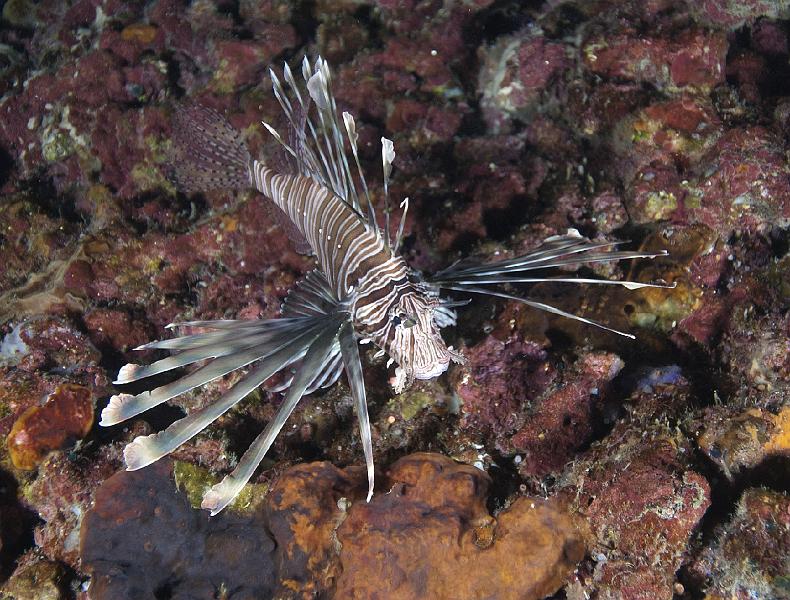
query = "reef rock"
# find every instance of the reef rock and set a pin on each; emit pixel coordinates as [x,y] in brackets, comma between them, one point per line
[750,556]
[67,414]
[435,539]
[426,533]
[639,496]
[142,539]
[737,441]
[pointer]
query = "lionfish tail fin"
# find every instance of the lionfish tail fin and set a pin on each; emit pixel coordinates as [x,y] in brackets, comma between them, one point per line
[208,153]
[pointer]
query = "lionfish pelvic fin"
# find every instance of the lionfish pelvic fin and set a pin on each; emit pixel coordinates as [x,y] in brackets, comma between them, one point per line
[318,353]
[309,339]
[353,367]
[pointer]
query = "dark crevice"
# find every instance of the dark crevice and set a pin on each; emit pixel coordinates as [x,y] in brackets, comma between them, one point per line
[772,473]
[501,18]
[779,239]
[6,166]
[156,212]
[501,223]
[505,482]
[41,192]
[16,527]
[305,22]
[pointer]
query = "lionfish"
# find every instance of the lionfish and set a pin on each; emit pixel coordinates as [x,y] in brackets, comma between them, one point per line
[361,291]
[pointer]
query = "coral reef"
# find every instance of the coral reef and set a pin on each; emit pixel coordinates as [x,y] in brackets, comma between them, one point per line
[589,464]
[640,495]
[66,414]
[313,533]
[125,551]
[749,554]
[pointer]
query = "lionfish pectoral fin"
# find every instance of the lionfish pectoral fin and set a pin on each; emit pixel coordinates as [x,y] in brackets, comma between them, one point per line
[353,366]
[319,351]
[125,406]
[285,350]
[571,249]
[221,346]
[629,285]
[208,153]
[232,346]
[534,304]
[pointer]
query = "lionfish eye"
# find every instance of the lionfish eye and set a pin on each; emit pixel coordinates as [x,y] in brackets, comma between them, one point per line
[404,320]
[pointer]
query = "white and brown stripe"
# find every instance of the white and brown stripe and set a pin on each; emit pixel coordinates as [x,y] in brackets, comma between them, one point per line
[346,247]
[361,270]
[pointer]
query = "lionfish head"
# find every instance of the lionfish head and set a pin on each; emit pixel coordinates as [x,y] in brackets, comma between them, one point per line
[414,341]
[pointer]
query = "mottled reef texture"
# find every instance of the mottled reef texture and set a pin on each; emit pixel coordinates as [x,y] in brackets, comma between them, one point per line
[559,461]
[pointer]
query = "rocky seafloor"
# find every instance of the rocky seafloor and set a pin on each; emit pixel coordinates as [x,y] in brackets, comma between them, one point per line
[560,461]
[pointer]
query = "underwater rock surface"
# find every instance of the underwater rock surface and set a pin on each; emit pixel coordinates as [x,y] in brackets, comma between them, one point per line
[749,555]
[313,534]
[589,465]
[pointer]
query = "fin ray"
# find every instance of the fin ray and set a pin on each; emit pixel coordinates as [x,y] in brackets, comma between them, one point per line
[223,493]
[353,367]
[538,305]
[125,406]
[145,450]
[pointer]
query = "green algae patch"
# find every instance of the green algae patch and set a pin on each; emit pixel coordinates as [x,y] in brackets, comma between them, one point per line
[20,13]
[148,177]
[409,404]
[56,146]
[660,205]
[194,481]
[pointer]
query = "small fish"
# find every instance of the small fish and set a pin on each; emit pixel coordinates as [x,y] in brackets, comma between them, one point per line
[361,291]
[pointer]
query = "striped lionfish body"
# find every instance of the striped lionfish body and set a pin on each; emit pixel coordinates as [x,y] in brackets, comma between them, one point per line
[361,291]
[386,302]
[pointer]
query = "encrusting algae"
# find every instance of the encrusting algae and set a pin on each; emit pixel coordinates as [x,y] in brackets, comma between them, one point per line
[362,290]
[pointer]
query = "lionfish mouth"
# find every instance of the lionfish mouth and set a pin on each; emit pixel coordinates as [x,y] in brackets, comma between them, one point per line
[406,373]
[431,371]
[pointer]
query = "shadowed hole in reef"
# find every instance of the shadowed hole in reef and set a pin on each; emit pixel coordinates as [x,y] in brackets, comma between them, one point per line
[772,473]
[173,74]
[6,166]
[16,527]
[243,430]
[505,482]
[502,223]
[41,191]
[154,211]
[164,592]
[780,241]
[501,18]
[774,80]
